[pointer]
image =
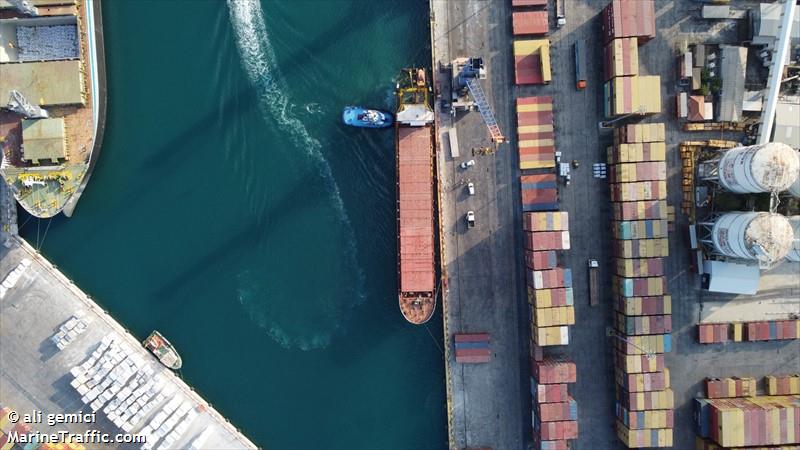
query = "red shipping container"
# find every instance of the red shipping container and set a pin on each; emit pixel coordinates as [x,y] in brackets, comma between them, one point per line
[473,352]
[530,22]
[553,431]
[623,18]
[706,333]
[472,337]
[472,359]
[541,260]
[554,371]
[549,393]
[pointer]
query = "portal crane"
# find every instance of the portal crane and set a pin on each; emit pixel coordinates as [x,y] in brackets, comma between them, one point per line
[19,104]
[467,73]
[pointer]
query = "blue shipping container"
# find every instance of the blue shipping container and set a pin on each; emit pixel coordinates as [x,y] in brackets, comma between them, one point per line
[465,345]
[536,207]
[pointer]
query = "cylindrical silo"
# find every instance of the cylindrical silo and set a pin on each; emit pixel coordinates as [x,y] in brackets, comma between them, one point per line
[794,253]
[758,236]
[770,167]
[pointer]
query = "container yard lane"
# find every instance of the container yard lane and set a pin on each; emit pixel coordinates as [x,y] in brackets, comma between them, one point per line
[488,403]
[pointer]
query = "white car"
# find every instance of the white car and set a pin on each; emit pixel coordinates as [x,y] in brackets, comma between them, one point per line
[471,188]
[470,219]
[467,164]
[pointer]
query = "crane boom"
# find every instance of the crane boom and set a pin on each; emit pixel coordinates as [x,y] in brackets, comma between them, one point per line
[485,109]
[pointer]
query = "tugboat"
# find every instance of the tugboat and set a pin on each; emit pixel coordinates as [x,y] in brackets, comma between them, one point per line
[357,116]
[163,350]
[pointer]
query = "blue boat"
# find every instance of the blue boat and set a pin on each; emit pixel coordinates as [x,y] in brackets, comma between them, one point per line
[356,116]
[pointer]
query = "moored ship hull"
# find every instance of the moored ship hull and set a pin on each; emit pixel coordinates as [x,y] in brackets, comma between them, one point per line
[416,198]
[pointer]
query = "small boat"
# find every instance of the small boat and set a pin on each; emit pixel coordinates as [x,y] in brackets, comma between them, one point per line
[356,116]
[163,350]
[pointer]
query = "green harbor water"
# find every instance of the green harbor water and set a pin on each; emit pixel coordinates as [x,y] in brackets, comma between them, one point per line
[231,211]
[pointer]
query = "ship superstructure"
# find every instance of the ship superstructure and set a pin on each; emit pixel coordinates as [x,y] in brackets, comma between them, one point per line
[416,198]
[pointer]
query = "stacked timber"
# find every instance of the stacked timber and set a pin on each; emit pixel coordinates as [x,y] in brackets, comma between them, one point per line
[643,308]
[554,416]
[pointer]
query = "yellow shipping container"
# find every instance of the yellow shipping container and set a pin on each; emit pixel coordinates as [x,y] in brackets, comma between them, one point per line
[542,128]
[534,107]
[657,151]
[536,143]
[618,48]
[550,335]
[640,345]
[640,132]
[650,93]
[533,47]
[643,248]
[5,424]
[551,317]
[656,419]
[737,332]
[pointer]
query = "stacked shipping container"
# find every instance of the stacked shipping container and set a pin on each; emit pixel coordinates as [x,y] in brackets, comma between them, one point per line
[529,22]
[532,61]
[730,387]
[535,133]
[626,25]
[749,421]
[643,317]
[782,384]
[549,286]
[472,348]
[776,330]
[554,415]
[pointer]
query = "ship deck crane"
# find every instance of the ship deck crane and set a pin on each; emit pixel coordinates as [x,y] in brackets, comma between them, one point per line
[467,73]
[19,104]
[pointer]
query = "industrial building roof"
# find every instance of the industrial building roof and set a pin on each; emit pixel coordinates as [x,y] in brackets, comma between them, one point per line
[731,278]
[43,140]
[770,20]
[45,83]
[734,64]
[787,122]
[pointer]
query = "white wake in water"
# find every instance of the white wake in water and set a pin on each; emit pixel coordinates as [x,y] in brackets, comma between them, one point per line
[258,58]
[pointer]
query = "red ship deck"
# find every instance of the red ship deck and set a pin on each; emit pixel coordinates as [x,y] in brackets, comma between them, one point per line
[415,222]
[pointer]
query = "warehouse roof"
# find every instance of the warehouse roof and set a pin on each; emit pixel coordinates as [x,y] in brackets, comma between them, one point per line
[731,278]
[770,20]
[43,140]
[787,122]
[734,64]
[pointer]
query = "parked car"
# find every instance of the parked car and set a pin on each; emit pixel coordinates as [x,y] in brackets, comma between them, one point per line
[467,164]
[470,219]
[471,188]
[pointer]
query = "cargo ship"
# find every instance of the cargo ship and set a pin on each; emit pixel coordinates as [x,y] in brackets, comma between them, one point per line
[163,350]
[416,198]
[51,101]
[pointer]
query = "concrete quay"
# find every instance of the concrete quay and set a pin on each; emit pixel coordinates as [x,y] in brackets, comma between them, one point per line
[489,404]
[35,374]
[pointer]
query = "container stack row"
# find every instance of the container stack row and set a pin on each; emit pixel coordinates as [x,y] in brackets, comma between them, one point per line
[550,297]
[775,330]
[532,61]
[554,416]
[535,133]
[627,24]
[472,348]
[643,308]
[730,387]
[749,421]
[782,384]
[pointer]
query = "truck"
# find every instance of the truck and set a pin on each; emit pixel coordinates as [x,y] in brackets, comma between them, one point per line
[580,64]
[561,18]
[594,289]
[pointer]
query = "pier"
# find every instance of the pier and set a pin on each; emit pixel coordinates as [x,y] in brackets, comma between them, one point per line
[40,373]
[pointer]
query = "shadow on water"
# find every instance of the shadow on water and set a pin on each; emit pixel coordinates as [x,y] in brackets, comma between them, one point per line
[301,196]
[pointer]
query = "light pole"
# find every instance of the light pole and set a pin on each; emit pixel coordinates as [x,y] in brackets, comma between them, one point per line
[610,332]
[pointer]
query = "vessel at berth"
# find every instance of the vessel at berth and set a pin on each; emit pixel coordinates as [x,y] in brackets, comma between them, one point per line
[163,350]
[51,101]
[416,197]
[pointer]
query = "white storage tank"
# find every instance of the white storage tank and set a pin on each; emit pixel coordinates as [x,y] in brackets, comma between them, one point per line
[794,253]
[771,167]
[758,236]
